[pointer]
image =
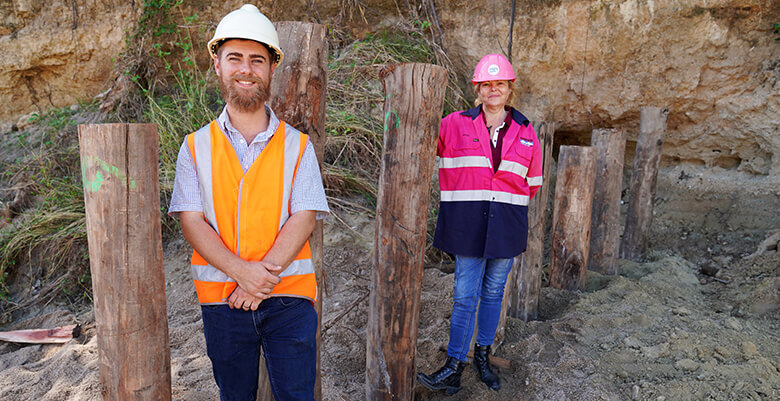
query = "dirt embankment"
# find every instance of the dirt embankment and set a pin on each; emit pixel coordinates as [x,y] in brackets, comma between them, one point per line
[714,64]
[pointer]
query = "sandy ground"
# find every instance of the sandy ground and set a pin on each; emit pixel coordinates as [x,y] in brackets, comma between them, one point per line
[658,331]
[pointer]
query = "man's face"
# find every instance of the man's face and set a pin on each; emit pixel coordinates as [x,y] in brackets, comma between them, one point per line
[244,68]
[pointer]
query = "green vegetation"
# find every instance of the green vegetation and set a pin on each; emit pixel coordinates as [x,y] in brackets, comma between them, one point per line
[187,107]
[51,234]
[171,89]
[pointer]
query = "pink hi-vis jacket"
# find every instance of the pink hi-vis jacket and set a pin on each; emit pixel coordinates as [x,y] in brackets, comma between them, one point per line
[483,214]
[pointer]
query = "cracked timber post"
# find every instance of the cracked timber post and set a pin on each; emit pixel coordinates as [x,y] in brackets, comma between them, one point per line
[605,220]
[652,128]
[572,212]
[122,198]
[414,100]
[298,91]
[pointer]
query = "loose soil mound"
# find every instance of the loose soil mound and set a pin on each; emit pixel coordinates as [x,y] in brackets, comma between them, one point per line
[659,331]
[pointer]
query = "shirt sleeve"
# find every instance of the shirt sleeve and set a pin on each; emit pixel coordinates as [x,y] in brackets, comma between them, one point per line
[442,133]
[186,189]
[535,172]
[307,192]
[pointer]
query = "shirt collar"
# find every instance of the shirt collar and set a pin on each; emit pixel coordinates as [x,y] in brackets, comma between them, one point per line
[516,115]
[273,123]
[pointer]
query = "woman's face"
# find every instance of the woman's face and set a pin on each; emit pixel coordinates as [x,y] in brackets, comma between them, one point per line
[494,93]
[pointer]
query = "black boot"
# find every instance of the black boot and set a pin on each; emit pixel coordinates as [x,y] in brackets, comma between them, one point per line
[447,378]
[482,366]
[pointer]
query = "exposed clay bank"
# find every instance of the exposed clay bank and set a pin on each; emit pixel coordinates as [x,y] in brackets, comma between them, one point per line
[715,64]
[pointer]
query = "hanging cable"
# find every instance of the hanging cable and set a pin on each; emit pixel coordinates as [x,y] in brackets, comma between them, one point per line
[511,30]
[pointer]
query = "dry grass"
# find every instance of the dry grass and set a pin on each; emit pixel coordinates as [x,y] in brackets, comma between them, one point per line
[354,110]
[355,103]
[188,105]
[48,228]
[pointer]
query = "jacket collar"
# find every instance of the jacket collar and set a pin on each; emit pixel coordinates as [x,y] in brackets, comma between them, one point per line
[516,115]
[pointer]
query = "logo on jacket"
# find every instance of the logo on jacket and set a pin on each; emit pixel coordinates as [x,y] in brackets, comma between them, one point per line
[526,142]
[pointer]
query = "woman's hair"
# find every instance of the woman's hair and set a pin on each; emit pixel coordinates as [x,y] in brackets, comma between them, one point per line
[510,84]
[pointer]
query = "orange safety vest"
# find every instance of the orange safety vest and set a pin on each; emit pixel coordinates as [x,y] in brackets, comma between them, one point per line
[247,210]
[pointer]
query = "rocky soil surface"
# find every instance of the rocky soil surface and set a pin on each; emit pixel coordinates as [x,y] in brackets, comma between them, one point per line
[658,331]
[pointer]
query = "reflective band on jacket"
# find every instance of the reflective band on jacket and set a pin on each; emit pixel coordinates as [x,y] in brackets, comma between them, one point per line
[534,181]
[464,161]
[484,195]
[513,167]
[507,166]
[482,161]
[247,210]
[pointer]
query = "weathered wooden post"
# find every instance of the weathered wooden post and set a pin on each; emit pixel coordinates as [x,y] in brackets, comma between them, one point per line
[571,216]
[298,91]
[652,128]
[122,197]
[521,296]
[414,100]
[605,220]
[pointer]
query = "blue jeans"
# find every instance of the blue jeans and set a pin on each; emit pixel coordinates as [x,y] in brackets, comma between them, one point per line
[285,327]
[477,281]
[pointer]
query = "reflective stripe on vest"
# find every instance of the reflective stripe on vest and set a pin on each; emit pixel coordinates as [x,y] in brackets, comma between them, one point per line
[246,226]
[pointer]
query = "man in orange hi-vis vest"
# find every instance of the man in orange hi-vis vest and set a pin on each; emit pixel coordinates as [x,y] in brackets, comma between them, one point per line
[248,192]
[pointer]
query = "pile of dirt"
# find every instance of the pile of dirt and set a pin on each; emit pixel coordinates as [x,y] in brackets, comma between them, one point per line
[659,331]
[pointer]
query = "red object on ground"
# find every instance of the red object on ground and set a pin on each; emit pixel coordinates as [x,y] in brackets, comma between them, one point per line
[42,336]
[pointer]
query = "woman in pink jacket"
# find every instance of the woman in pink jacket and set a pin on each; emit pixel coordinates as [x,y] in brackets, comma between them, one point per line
[490,166]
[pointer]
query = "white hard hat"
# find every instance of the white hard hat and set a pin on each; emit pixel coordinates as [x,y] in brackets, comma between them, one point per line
[247,23]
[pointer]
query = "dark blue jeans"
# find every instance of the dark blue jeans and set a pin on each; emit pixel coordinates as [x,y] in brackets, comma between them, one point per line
[477,281]
[285,327]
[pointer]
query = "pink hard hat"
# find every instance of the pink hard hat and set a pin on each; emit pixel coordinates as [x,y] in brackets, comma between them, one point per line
[493,67]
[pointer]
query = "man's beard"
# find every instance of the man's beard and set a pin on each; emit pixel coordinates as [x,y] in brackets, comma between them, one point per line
[244,100]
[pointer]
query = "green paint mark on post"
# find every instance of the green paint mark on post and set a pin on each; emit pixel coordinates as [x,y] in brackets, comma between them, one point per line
[97,183]
[389,115]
